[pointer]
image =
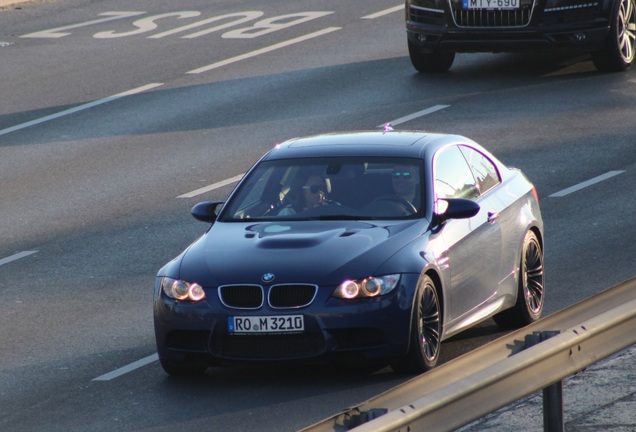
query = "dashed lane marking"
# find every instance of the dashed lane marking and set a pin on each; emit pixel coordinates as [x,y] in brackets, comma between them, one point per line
[17,256]
[585,184]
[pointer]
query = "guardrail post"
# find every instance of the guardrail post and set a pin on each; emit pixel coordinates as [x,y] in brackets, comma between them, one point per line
[553,408]
[552,395]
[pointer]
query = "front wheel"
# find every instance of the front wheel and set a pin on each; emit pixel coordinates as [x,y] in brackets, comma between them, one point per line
[426,330]
[618,53]
[437,61]
[531,294]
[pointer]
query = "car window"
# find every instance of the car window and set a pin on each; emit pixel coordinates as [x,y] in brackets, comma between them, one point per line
[484,170]
[453,177]
[329,188]
[257,185]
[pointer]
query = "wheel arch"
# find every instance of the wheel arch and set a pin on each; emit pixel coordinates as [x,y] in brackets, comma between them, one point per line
[535,229]
[437,281]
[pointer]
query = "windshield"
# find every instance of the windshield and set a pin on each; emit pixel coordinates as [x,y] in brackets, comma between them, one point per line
[329,188]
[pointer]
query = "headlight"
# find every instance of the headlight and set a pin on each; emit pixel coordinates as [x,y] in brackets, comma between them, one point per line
[368,287]
[182,290]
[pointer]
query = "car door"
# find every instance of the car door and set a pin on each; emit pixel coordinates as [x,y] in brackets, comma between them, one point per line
[473,244]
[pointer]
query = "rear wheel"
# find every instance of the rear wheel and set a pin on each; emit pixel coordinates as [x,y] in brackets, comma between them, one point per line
[531,294]
[426,330]
[618,53]
[437,61]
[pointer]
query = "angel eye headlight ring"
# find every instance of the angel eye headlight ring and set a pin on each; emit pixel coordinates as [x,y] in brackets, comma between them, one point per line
[368,287]
[182,290]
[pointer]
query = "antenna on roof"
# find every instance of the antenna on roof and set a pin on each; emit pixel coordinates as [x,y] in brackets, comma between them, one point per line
[388,127]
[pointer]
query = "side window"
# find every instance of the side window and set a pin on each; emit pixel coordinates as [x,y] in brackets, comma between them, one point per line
[484,170]
[453,177]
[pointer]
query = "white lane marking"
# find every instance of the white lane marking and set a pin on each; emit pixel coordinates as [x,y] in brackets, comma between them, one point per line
[128,368]
[17,256]
[58,33]
[79,108]
[145,25]
[246,16]
[384,12]
[587,183]
[415,115]
[212,187]
[263,50]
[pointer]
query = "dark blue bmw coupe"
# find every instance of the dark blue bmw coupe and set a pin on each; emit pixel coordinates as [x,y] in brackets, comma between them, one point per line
[373,246]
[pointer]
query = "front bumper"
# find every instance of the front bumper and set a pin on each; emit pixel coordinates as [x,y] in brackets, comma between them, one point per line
[335,329]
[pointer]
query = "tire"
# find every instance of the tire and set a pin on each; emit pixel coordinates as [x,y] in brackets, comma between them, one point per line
[426,331]
[186,367]
[618,53]
[437,61]
[531,293]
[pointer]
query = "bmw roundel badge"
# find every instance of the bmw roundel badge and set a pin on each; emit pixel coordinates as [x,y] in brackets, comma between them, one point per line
[268,277]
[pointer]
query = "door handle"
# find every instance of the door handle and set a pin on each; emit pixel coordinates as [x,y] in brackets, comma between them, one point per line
[492,217]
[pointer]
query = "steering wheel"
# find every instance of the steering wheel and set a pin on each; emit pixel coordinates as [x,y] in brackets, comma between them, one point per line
[404,205]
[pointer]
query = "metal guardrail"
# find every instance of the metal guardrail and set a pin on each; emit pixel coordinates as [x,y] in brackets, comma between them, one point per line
[502,371]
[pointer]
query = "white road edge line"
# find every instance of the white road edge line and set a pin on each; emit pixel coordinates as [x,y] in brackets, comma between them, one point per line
[263,50]
[17,256]
[79,108]
[128,368]
[212,187]
[415,115]
[384,12]
[585,184]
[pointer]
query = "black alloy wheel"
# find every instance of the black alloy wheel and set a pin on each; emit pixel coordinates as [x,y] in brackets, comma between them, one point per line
[426,330]
[533,279]
[437,61]
[531,295]
[618,53]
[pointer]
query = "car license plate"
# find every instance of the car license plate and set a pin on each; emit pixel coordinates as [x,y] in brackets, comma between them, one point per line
[491,4]
[266,324]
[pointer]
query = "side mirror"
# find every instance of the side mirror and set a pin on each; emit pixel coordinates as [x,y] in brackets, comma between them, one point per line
[206,211]
[455,208]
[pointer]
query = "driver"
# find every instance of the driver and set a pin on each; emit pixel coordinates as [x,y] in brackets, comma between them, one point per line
[310,191]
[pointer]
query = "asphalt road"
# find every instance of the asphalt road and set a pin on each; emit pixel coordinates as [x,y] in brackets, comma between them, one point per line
[113,116]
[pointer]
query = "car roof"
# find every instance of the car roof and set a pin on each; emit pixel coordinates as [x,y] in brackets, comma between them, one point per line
[365,143]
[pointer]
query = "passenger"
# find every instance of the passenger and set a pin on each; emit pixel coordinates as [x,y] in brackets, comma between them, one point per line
[311,190]
[405,180]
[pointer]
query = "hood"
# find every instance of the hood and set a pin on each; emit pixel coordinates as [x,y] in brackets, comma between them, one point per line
[321,252]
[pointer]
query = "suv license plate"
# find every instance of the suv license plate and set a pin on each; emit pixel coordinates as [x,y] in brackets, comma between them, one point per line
[266,324]
[491,4]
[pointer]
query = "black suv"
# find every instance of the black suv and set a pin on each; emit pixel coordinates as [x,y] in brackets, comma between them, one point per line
[437,29]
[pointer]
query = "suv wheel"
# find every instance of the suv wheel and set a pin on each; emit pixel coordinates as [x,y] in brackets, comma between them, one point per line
[437,61]
[618,53]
